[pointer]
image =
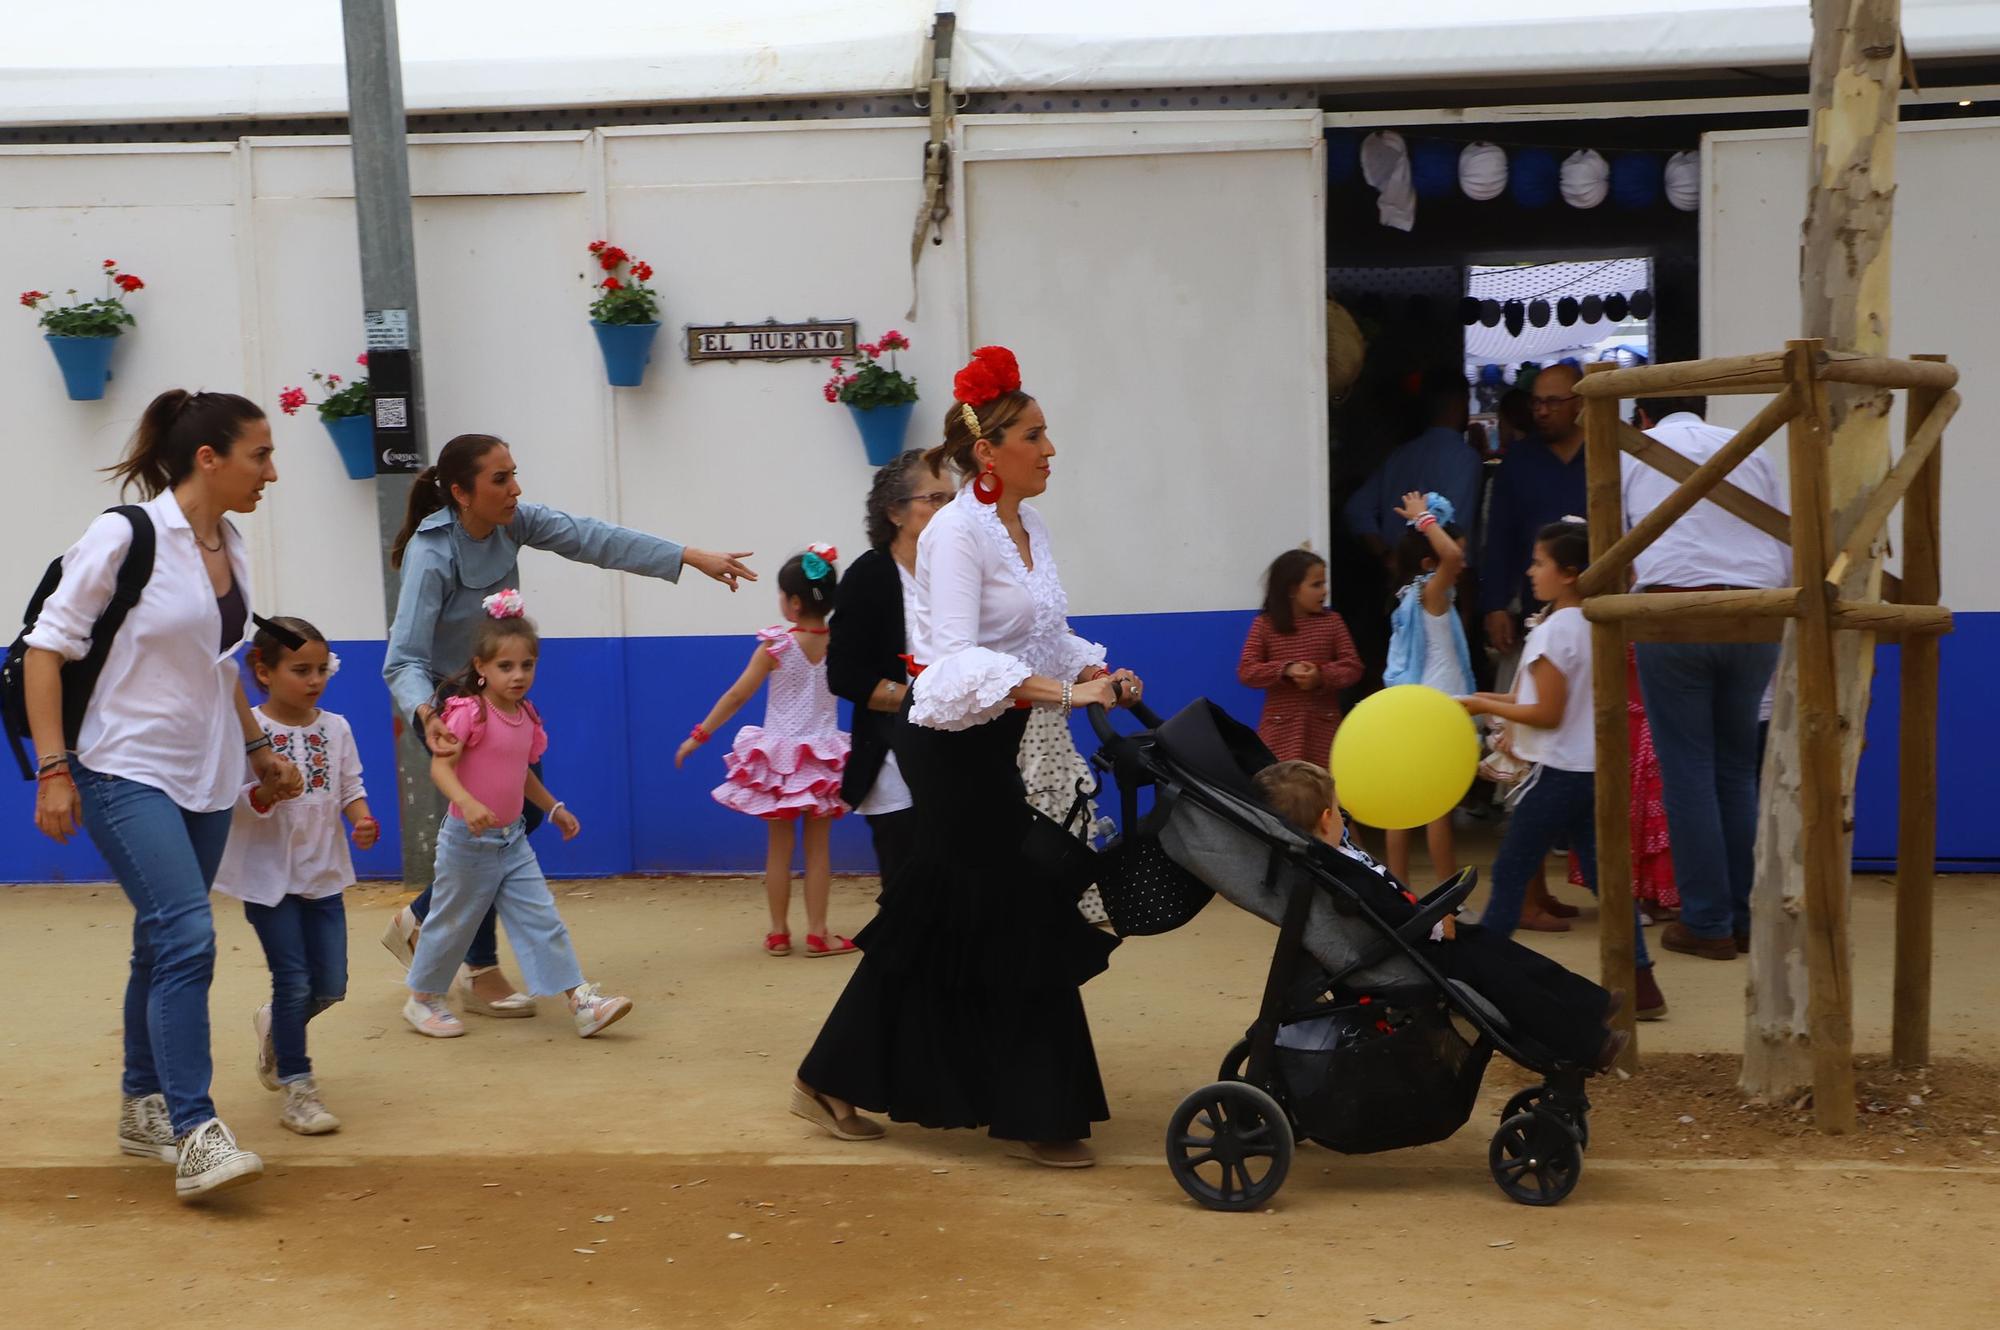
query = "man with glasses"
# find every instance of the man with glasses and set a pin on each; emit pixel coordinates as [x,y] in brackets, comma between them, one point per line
[1702,698]
[1541,480]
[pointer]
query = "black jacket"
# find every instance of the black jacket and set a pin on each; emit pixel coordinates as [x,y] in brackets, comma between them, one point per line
[865,647]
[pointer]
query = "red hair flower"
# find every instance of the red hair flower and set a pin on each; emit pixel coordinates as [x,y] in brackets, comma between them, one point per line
[992,372]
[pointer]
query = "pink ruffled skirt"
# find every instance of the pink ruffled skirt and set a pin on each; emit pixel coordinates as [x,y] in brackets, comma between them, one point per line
[784,776]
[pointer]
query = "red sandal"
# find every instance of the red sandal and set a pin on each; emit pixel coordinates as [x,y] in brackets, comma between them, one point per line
[777,944]
[818,946]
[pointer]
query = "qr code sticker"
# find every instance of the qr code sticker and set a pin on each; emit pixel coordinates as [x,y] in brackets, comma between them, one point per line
[392,413]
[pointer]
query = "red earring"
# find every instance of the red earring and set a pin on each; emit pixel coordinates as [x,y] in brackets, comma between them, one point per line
[984,492]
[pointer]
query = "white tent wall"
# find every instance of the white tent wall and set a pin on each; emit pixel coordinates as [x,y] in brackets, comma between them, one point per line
[1182,377]
[1946,197]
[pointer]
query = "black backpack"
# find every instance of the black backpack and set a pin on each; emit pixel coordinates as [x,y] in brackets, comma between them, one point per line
[79,677]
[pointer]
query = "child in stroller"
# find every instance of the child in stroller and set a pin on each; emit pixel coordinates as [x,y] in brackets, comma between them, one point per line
[1554,1006]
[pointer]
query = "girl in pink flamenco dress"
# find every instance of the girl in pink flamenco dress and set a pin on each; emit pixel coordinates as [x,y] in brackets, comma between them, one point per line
[787,770]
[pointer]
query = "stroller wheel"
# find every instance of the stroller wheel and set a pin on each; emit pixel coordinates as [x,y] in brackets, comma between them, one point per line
[1525,1101]
[1229,1146]
[1235,1062]
[1536,1158]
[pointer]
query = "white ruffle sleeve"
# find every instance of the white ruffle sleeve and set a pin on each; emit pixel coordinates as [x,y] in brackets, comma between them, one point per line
[963,684]
[1073,655]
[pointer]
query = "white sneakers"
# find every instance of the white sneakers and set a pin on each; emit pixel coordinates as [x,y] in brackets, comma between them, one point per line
[303,1112]
[211,1161]
[429,1015]
[594,1011]
[145,1131]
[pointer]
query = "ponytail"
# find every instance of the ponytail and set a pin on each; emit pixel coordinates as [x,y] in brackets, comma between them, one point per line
[457,468]
[173,428]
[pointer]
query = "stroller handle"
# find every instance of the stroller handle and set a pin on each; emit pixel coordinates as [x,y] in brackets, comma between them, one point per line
[1100,719]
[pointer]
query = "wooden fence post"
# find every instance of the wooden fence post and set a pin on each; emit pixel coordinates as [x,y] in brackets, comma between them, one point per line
[1829,996]
[1615,952]
[1916,831]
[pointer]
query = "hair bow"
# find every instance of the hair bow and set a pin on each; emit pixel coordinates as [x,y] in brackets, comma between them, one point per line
[1441,508]
[286,638]
[504,604]
[332,663]
[818,561]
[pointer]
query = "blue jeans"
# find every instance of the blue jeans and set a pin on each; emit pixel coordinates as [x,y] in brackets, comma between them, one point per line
[305,944]
[1701,701]
[485,948]
[481,872]
[164,858]
[1559,805]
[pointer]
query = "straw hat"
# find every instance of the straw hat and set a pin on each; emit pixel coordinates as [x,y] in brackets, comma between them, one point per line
[1346,348]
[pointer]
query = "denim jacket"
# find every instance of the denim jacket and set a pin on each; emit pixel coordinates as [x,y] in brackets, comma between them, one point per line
[446,574]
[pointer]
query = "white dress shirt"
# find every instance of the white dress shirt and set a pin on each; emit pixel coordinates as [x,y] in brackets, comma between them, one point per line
[298,847]
[984,620]
[1707,546]
[164,710]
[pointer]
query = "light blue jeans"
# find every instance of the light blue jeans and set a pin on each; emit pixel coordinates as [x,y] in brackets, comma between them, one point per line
[476,872]
[164,858]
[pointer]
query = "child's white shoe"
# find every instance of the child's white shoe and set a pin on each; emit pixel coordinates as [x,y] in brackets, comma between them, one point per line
[429,1015]
[267,1052]
[304,1113]
[211,1160]
[145,1131]
[594,1011]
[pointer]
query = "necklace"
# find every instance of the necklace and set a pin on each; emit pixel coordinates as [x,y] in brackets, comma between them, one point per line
[216,548]
[816,632]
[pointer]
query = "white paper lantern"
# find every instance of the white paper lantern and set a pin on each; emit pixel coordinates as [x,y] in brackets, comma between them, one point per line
[1385,165]
[1684,180]
[1482,171]
[1586,178]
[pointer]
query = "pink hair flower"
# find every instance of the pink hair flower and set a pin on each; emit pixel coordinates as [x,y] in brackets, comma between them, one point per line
[504,604]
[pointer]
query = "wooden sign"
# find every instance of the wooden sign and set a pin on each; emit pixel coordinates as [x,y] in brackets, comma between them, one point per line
[771,341]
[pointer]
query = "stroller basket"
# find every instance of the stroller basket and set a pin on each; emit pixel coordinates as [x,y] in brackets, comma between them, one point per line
[1382,1090]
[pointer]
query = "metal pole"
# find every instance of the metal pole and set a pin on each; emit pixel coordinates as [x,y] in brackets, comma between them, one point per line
[389,298]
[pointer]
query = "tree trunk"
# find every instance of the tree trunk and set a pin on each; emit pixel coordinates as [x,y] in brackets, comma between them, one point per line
[1844,297]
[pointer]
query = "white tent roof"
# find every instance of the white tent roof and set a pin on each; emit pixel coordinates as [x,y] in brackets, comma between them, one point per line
[98,61]
[1062,44]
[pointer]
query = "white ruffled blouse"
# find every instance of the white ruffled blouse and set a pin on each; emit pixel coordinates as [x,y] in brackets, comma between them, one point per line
[984,620]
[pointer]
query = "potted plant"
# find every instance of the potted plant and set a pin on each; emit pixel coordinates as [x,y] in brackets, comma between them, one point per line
[82,333]
[879,396]
[345,413]
[625,316]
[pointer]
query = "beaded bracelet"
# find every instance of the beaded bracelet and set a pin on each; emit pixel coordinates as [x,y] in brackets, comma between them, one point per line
[699,735]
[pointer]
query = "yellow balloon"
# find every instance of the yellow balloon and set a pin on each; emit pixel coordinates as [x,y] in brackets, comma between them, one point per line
[1404,757]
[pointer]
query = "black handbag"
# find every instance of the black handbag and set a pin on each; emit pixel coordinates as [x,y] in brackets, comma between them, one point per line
[1144,890]
[1055,853]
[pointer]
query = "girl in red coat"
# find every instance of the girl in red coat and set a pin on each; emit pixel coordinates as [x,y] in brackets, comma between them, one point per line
[1299,653]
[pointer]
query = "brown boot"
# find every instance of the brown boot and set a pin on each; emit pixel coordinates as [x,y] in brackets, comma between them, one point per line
[1649,1003]
[1676,937]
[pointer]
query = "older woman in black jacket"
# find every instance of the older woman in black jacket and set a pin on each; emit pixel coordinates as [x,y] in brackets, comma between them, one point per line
[865,654]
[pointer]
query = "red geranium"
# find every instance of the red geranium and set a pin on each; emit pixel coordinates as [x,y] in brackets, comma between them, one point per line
[597,246]
[128,283]
[362,360]
[642,270]
[105,316]
[612,284]
[341,400]
[291,399]
[625,301]
[32,298]
[874,382]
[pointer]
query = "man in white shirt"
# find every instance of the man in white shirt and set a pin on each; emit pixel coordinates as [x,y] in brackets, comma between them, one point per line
[1702,697]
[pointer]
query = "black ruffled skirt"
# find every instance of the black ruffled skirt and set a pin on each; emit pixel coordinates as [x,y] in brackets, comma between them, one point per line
[964,1010]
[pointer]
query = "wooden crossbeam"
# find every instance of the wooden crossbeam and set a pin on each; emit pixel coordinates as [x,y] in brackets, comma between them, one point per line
[1604,572]
[1737,502]
[1873,616]
[1775,603]
[1720,376]
[1887,372]
[1923,441]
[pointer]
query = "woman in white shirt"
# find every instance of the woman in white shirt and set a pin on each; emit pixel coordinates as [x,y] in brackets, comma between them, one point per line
[155,764]
[965,1009]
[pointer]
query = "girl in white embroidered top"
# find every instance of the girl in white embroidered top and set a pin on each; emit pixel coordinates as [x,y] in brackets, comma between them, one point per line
[156,761]
[288,863]
[965,1009]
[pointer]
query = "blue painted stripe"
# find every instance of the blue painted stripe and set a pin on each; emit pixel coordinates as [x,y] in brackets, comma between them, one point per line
[618,708]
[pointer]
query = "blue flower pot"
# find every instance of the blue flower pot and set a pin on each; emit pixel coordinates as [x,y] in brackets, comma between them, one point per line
[882,430]
[355,437]
[86,364]
[627,348]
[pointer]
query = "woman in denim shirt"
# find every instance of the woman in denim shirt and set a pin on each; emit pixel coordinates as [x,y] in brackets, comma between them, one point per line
[461,542]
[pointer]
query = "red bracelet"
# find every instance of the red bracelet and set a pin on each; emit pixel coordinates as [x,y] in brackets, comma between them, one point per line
[1427,521]
[699,735]
[257,807]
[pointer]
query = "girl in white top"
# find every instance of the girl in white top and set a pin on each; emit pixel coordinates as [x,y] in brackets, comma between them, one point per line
[1427,642]
[1551,711]
[158,759]
[289,863]
[965,1009]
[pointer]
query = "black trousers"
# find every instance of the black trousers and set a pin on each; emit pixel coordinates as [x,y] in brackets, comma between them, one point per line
[1550,1004]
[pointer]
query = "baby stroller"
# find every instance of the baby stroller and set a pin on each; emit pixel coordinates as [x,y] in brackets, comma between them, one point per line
[1360,1044]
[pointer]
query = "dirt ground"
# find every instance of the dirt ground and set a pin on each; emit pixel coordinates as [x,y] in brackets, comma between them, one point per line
[651,1177]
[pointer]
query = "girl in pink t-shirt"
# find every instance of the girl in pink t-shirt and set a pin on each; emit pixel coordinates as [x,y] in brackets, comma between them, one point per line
[483,856]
